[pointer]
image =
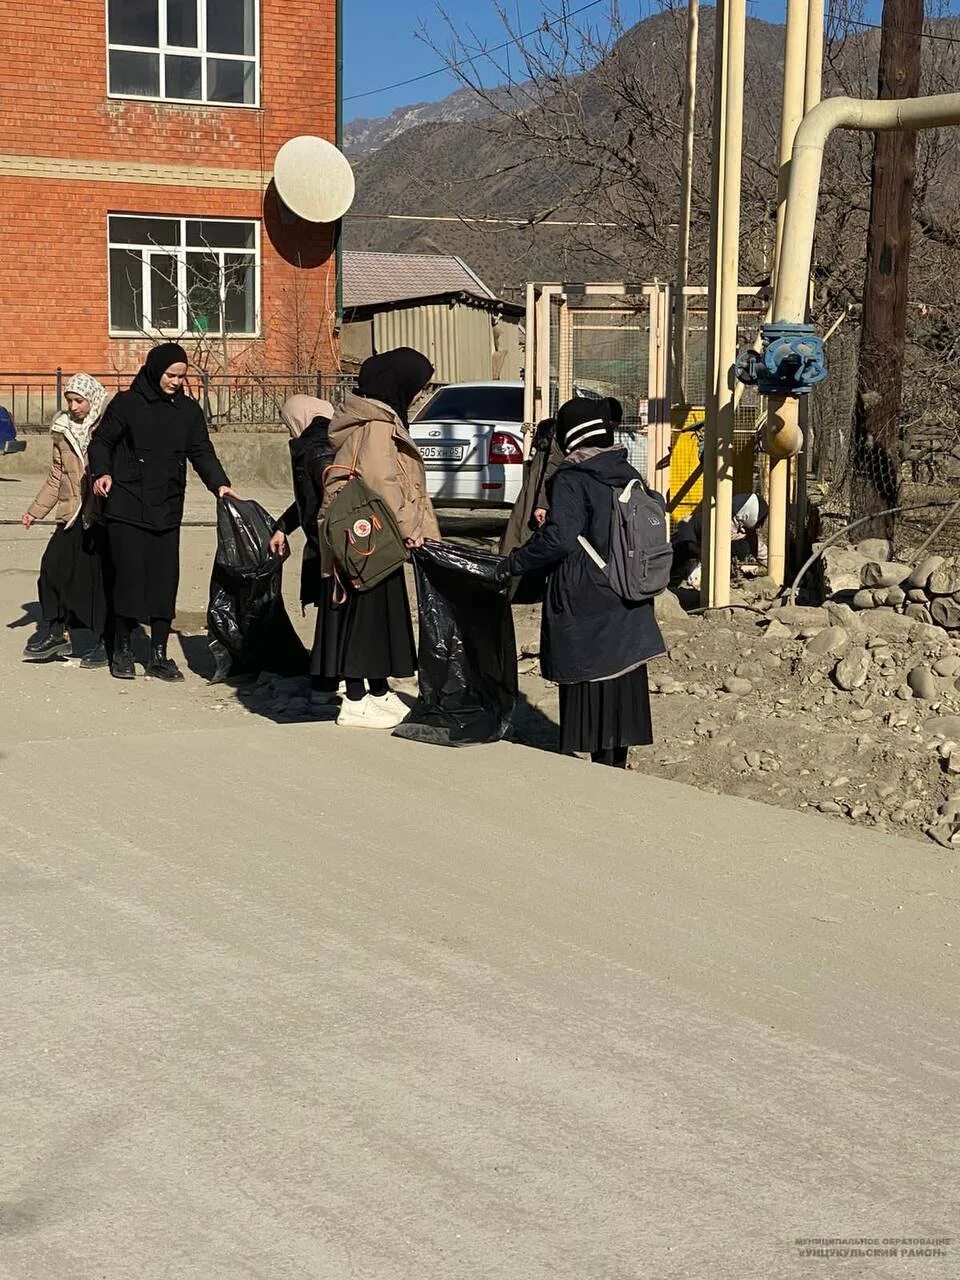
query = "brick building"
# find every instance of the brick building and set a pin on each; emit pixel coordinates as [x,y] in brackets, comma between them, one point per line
[137,140]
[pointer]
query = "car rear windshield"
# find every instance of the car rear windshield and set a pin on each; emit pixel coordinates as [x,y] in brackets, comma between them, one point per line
[474,404]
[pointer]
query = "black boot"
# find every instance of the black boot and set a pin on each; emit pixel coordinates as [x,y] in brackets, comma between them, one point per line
[160,666]
[49,642]
[121,664]
[95,658]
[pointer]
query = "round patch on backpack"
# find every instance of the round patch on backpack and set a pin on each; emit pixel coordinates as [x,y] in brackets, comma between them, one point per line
[362,529]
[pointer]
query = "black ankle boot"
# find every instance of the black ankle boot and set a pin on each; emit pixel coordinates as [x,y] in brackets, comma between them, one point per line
[95,658]
[160,666]
[48,642]
[121,664]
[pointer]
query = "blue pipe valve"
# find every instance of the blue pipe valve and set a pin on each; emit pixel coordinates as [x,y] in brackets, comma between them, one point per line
[792,361]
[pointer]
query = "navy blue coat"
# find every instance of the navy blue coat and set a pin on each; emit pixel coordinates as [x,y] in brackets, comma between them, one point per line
[588,631]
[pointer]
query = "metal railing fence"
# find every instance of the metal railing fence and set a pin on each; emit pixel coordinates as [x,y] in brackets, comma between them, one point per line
[251,400]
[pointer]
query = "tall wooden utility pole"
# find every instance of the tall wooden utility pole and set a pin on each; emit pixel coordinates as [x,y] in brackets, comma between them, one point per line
[876,436]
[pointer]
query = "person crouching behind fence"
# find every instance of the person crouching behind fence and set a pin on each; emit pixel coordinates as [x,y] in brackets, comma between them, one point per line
[308,421]
[594,644]
[71,571]
[139,460]
[364,637]
[748,514]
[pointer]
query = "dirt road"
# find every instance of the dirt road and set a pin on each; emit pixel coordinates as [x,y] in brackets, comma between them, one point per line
[292,1003]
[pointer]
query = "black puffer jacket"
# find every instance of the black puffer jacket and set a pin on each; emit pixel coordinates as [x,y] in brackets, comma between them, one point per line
[588,631]
[144,443]
[310,455]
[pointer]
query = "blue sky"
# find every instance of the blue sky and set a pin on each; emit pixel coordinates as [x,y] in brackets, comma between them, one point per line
[381,45]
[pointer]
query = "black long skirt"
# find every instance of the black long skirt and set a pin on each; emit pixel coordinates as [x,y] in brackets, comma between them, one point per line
[144,571]
[601,715]
[70,587]
[368,637]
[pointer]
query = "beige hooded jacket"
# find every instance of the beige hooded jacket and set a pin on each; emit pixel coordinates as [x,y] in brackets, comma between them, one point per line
[369,436]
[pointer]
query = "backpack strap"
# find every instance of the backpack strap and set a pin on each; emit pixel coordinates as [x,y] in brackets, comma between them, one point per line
[350,471]
[339,593]
[593,553]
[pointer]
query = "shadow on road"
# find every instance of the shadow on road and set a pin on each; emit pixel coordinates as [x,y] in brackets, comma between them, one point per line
[532,727]
[197,655]
[29,618]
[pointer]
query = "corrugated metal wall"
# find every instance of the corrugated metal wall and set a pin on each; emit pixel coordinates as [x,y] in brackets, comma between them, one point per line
[356,340]
[458,340]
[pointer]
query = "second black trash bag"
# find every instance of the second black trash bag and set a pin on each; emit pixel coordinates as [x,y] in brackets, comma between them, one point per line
[247,621]
[468,653]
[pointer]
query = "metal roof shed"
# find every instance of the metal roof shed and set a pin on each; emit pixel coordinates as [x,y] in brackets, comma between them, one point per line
[434,303]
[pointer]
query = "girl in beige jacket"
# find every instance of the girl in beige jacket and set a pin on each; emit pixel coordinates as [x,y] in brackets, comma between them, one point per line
[369,636]
[71,572]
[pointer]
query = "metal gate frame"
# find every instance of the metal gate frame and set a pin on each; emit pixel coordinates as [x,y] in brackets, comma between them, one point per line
[540,359]
[548,335]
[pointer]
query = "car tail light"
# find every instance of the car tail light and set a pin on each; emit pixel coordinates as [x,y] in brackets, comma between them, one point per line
[504,449]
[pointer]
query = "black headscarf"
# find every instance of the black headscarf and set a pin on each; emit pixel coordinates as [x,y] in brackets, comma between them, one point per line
[544,435]
[395,378]
[158,361]
[614,410]
[583,424]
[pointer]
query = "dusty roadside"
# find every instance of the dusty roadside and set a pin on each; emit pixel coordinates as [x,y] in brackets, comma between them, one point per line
[290,1003]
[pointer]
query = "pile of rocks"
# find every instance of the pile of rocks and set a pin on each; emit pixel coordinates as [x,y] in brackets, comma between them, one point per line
[865,577]
[942,735]
[851,713]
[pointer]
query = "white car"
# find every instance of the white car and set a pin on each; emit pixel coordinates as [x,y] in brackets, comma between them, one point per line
[470,435]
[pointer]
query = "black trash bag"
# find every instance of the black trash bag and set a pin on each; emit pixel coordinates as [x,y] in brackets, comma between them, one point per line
[468,652]
[247,622]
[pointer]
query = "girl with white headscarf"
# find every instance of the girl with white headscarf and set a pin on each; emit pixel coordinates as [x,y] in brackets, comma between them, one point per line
[71,571]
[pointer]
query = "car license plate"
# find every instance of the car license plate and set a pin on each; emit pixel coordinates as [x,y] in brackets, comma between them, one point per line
[441,452]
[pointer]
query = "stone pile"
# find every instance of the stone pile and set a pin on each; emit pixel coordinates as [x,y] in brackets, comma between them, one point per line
[865,577]
[883,683]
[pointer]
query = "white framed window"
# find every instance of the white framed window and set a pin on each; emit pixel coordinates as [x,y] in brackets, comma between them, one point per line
[180,276]
[184,50]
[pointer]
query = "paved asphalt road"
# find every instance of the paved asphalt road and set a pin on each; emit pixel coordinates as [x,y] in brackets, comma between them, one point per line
[287,1002]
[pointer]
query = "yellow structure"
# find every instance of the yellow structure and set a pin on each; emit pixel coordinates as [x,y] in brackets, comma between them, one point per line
[686,469]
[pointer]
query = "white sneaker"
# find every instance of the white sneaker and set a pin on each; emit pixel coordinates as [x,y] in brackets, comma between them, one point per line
[396,705]
[370,713]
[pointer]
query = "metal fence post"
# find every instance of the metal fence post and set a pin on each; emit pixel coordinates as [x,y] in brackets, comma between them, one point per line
[205,381]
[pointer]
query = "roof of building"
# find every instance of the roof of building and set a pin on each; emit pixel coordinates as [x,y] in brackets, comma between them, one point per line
[378,279]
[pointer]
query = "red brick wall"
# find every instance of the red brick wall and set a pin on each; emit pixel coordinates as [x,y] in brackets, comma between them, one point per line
[53,246]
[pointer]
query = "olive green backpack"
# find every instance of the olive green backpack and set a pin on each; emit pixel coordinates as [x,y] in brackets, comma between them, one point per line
[362,534]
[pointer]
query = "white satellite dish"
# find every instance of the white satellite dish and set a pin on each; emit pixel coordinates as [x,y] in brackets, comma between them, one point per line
[314,179]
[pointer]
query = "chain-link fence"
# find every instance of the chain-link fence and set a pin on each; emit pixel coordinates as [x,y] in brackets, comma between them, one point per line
[911,486]
[603,349]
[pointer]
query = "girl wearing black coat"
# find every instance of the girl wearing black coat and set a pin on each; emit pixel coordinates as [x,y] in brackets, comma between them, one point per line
[138,458]
[594,644]
[308,419]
